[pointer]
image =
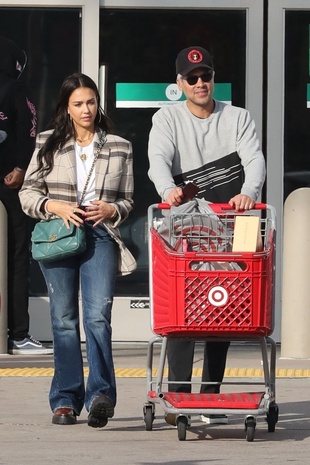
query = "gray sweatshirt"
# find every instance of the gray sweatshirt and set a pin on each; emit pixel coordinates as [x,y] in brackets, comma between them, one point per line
[221,153]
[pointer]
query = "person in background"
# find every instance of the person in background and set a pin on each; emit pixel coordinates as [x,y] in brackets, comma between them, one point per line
[18,123]
[53,187]
[214,145]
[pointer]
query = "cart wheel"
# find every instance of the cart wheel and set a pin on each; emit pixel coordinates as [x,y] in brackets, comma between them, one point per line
[149,416]
[272,417]
[182,423]
[250,425]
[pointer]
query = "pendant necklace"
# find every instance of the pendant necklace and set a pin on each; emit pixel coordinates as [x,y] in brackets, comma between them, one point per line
[85,153]
[83,156]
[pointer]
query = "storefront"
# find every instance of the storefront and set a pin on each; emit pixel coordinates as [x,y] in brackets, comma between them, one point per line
[124,45]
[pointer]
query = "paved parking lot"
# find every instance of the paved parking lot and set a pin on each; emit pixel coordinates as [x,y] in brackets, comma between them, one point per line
[29,438]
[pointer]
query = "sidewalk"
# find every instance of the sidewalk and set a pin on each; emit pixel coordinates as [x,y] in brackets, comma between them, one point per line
[29,438]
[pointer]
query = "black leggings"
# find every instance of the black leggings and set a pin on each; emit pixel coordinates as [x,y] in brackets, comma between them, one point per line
[18,263]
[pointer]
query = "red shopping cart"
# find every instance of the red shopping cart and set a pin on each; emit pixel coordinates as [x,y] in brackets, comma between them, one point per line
[201,289]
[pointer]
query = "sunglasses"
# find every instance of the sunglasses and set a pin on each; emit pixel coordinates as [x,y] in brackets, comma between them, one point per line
[205,77]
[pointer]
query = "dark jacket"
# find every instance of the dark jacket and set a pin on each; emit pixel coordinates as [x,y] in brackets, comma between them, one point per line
[18,119]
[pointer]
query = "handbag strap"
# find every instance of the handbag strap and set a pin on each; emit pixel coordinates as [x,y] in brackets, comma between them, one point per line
[102,141]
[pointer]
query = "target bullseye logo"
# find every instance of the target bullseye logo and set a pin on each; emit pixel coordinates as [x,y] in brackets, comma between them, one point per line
[218,296]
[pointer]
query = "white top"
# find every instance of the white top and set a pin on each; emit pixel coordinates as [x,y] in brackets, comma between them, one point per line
[84,160]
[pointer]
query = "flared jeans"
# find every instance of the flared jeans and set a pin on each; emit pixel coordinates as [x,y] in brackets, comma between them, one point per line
[94,273]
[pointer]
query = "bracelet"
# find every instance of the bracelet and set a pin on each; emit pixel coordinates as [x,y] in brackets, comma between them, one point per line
[20,170]
[46,208]
[114,214]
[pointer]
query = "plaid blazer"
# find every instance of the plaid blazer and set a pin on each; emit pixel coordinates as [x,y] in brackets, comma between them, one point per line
[113,183]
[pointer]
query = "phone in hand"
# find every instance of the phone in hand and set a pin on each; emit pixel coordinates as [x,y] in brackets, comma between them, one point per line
[189,190]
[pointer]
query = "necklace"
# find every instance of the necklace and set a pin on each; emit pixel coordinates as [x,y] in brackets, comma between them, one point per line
[84,140]
[85,152]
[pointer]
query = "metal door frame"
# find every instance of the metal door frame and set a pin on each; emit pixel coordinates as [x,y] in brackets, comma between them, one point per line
[90,27]
[275,122]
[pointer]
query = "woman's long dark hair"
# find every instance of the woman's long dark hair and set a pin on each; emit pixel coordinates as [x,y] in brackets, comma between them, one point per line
[61,123]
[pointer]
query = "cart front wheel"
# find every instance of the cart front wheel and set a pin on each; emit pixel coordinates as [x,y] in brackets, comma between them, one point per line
[272,417]
[182,423]
[250,425]
[149,415]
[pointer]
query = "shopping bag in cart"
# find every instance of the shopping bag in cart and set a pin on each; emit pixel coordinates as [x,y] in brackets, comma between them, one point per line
[195,227]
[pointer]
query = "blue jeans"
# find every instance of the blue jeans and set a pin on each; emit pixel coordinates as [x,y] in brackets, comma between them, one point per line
[95,270]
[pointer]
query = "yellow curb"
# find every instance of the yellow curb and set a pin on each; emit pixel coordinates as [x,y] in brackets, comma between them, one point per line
[141,372]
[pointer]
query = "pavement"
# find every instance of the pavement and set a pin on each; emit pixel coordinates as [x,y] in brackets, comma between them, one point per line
[27,436]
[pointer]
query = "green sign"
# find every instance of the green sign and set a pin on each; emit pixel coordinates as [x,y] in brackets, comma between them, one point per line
[139,95]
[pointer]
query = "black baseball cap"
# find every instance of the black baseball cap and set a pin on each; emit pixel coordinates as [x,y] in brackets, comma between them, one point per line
[191,58]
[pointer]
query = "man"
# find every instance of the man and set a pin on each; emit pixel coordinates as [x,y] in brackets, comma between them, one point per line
[17,139]
[214,145]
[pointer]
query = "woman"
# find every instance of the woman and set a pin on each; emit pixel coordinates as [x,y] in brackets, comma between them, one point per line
[53,187]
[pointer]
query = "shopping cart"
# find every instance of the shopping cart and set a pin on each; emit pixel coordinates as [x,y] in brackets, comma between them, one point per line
[200,289]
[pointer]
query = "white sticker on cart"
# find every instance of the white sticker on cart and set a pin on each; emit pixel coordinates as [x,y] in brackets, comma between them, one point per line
[218,296]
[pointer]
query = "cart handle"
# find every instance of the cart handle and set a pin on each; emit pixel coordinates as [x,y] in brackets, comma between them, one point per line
[218,207]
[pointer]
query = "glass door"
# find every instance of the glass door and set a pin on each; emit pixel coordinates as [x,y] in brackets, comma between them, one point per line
[42,33]
[288,112]
[128,60]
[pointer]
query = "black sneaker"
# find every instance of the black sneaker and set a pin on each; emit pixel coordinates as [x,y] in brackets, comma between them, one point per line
[28,346]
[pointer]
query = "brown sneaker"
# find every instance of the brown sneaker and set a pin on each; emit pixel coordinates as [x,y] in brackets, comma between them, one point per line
[171,419]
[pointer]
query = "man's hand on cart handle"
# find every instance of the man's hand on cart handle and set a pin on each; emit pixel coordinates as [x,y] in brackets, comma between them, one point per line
[180,195]
[216,207]
[175,197]
[241,202]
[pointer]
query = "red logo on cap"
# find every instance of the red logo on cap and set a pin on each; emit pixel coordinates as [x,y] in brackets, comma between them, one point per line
[195,56]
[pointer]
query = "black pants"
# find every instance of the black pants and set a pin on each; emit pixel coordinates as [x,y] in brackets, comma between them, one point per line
[18,264]
[180,354]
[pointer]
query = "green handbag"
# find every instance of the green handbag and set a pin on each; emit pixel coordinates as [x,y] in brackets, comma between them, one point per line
[51,240]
